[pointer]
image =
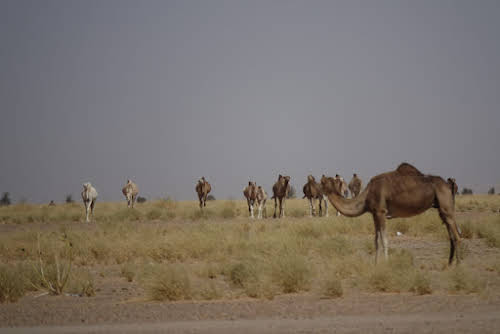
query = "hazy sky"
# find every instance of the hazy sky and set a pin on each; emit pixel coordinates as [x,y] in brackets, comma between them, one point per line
[165,92]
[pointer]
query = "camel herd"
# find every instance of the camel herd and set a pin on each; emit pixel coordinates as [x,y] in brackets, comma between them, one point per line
[404,192]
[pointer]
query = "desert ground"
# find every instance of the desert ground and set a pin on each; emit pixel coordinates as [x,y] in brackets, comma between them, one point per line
[167,266]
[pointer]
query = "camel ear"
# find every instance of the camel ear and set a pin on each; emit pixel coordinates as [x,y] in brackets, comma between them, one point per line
[249,183]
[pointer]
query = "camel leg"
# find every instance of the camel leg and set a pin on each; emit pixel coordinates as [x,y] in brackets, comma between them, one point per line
[87,207]
[251,209]
[264,209]
[92,204]
[282,207]
[275,206]
[379,220]
[320,207]
[311,207]
[453,234]
[326,205]
[259,214]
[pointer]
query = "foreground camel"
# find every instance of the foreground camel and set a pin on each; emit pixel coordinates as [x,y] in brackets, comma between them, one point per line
[355,185]
[203,188]
[89,196]
[312,191]
[261,201]
[130,191]
[404,192]
[280,192]
[250,193]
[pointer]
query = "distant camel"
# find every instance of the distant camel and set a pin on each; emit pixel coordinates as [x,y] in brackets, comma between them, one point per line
[342,185]
[404,192]
[130,191]
[250,193]
[203,188]
[52,203]
[89,196]
[355,185]
[280,192]
[261,201]
[312,191]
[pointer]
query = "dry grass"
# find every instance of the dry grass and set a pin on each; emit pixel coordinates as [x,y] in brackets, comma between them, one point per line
[176,251]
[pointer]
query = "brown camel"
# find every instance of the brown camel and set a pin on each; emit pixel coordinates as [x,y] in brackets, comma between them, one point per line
[355,185]
[404,192]
[261,201]
[250,193]
[280,192]
[312,191]
[203,188]
[130,191]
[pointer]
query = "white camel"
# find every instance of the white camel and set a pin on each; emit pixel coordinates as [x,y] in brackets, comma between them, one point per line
[130,191]
[89,196]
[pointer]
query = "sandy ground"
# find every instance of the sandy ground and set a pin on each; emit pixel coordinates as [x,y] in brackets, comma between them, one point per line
[381,313]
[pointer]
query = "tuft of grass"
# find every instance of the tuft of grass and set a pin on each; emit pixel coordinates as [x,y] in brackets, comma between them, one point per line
[335,246]
[468,230]
[128,272]
[297,213]
[400,225]
[228,211]
[127,214]
[461,280]
[421,284]
[154,214]
[291,272]
[169,283]
[12,286]
[332,287]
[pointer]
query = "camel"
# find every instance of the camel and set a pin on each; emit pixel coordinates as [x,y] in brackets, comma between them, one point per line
[280,192]
[89,196]
[203,188]
[130,191]
[312,191]
[404,192]
[261,201]
[355,185]
[342,185]
[250,193]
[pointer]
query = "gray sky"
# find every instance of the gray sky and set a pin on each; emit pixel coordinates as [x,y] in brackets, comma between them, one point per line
[165,92]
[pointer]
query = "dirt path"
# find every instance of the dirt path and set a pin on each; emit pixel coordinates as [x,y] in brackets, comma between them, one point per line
[488,322]
[381,313]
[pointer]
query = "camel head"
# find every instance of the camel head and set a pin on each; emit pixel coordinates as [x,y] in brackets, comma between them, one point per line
[252,186]
[354,175]
[129,181]
[286,180]
[331,185]
[87,185]
[310,178]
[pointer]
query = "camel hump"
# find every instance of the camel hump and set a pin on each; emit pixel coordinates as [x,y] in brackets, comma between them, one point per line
[407,169]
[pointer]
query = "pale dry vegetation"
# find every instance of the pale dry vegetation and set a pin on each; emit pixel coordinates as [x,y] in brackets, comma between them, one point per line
[175,251]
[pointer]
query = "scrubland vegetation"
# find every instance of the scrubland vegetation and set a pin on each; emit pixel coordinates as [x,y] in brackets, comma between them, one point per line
[174,251]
